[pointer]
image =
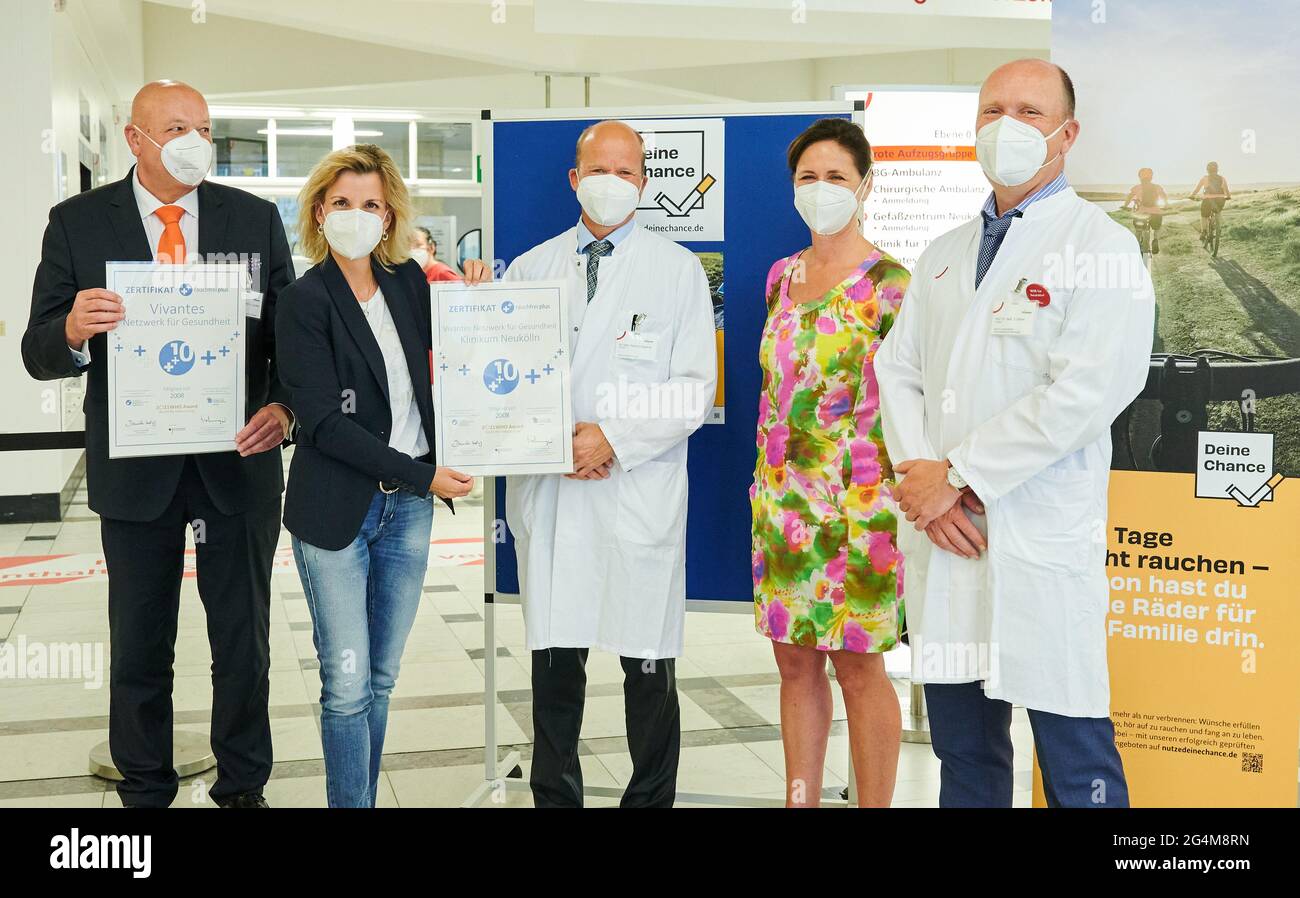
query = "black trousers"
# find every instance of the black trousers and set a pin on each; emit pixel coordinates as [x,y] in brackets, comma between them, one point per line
[145,561]
[654,729]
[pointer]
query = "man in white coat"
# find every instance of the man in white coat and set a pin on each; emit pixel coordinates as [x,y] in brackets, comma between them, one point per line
[1024,334]
[602,551]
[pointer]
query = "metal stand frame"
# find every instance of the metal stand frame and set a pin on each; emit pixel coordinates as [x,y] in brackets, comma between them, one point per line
[191,755]
[916,729]
[495,781]
[916,725]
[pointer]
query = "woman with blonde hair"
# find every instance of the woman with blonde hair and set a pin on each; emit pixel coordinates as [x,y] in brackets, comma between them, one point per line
[353,348]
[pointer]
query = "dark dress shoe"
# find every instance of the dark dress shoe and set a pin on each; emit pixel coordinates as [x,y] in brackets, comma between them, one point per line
[246,800]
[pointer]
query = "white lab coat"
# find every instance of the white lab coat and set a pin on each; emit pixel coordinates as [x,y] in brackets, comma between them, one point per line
[602,563]
[1026,421]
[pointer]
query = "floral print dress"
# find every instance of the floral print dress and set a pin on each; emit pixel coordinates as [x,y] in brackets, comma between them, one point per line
[827,572]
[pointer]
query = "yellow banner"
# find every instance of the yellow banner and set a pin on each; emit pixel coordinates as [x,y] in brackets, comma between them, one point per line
[1204,643]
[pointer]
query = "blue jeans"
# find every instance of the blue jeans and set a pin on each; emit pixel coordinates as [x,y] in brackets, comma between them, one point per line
[971,735]
[363,600]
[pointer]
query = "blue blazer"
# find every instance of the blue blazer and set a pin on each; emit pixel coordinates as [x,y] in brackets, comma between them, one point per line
[330,362]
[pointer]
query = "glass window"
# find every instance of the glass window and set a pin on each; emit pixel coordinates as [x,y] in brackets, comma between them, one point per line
[288,206]
[83,106]
[394,138]
[240,147]
[102,158]
[288,209]
[449,219]
[469,247]
[300,144]
[445,150]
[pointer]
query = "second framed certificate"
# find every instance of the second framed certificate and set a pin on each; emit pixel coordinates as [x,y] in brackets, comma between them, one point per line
[501,388]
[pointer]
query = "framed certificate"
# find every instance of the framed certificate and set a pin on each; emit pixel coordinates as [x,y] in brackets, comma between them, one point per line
[501,388]
[176,361]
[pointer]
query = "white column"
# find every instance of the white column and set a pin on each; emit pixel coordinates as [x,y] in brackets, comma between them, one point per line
[49,60]
[28,157]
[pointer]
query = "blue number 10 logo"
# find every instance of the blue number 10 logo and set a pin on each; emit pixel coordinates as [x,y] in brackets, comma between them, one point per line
[176,357]
[501,376]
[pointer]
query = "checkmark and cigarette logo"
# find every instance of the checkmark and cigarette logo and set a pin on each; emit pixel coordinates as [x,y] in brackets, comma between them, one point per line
[1262,494]
[687,204]
[685,165]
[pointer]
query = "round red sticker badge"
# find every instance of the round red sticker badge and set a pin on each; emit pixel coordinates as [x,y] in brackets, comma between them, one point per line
[1038,293]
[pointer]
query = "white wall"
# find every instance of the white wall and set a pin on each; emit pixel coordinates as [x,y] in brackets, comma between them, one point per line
[47,60]
[295,66]
[917,67]
[278,58]
[789,80]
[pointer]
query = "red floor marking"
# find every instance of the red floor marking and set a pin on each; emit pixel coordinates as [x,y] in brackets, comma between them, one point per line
[43,570]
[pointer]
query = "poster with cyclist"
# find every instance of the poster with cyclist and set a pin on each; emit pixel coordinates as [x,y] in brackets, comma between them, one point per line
[1195,156]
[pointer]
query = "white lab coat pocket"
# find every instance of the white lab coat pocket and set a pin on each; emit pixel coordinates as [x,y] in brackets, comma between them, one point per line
[1023,361]
[1026,358]
[1047,522]
[652,504]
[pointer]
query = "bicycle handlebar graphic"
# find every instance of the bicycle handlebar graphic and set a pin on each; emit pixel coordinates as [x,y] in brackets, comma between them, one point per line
[1185,385]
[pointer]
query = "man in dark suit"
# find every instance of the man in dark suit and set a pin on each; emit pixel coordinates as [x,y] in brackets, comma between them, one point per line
[164,211]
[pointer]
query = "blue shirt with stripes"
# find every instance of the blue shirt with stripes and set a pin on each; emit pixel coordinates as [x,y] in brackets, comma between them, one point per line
[995,227]
[615,237]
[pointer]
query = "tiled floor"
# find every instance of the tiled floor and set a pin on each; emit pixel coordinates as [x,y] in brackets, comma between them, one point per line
[434,753]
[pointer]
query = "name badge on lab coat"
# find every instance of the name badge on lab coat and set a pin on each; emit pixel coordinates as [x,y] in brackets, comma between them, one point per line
[253,304]
[1014,317]
[252,298]
[635,347]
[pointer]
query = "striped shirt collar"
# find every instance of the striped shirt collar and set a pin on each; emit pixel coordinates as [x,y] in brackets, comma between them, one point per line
[1051,188]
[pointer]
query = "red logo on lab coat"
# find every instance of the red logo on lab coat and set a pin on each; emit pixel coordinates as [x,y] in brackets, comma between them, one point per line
[1038,293]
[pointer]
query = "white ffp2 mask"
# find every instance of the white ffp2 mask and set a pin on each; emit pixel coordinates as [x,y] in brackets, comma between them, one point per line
[607,199]
[187,158]
[828,208]
[1011,152]
[353,233]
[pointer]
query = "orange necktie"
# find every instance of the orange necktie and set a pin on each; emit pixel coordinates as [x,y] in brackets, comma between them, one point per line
[171,246]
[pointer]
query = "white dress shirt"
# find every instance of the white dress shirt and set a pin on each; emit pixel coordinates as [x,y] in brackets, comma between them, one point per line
[408,431]
[148,204]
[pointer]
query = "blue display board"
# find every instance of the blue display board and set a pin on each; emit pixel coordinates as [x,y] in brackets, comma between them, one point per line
[532,202]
